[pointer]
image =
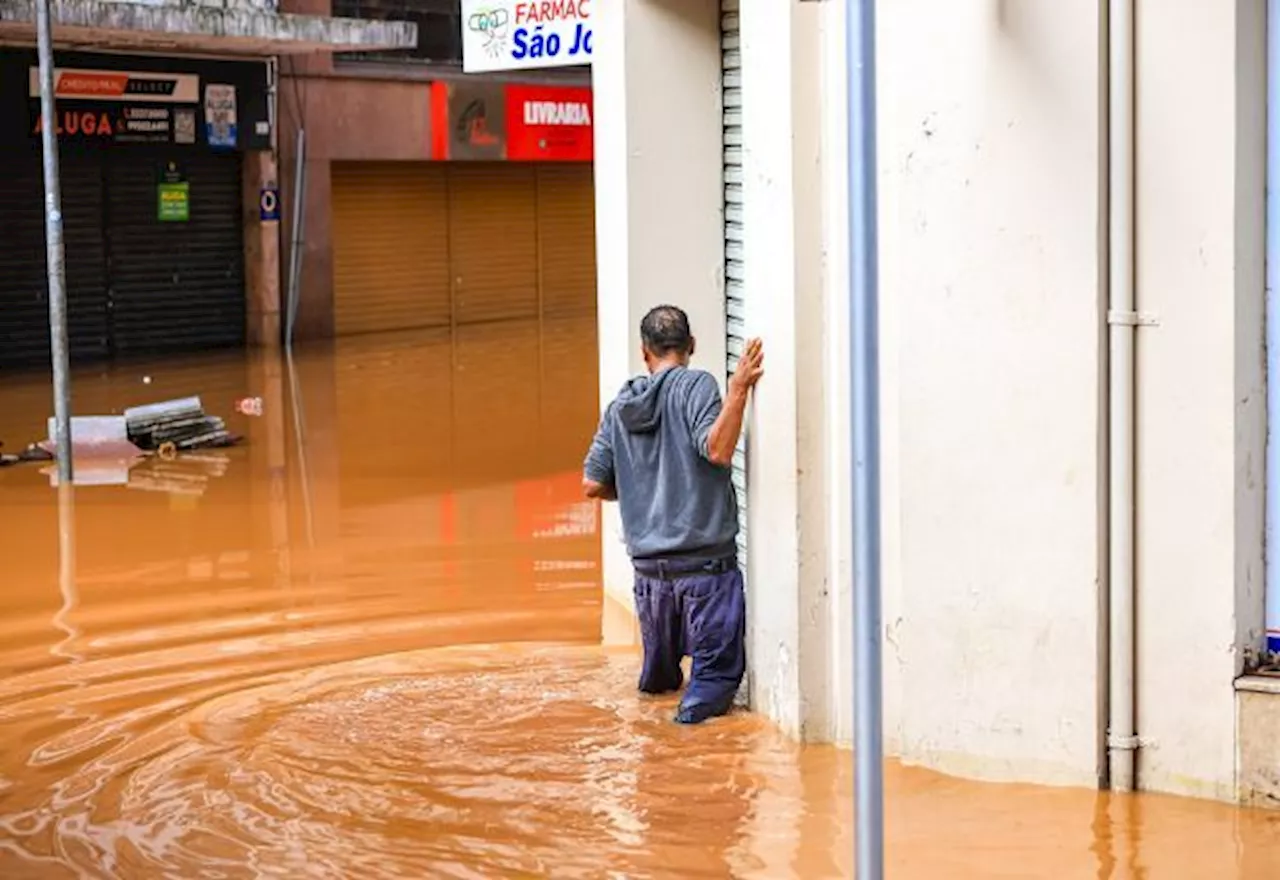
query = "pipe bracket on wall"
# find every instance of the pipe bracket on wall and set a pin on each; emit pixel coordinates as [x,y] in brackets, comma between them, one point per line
[1124,743]
[1132,319]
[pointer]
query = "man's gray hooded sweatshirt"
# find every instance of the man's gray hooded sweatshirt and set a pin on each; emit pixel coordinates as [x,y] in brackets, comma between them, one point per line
[652,447]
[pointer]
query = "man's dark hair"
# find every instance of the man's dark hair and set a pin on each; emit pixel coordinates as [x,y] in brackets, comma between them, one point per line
[665,330]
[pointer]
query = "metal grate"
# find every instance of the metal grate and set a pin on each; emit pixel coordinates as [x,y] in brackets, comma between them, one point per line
[734,266]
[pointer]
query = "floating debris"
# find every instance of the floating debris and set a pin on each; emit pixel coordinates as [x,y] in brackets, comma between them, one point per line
[182,423]
[35,452]
[249,406]
[95,437]
[115,443]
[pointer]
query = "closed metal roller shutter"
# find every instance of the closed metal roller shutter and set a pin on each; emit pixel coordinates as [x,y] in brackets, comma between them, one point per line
[175,286]
[419,245]
[493,240]
[85,248]
[24,286]
[390,246]
[567,265]
[567,240]
[24,308]
[734,268]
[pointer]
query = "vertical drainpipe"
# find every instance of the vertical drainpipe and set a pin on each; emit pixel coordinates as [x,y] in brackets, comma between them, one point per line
[1272,545]
[273,116]
[1123,321]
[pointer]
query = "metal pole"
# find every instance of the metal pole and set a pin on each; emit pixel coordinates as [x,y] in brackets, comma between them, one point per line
[1122,730]
[865,368]
[53,247]
[295,249]
[1272,545]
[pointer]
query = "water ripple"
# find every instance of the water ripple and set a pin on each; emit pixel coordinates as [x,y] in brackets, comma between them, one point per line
[478,763]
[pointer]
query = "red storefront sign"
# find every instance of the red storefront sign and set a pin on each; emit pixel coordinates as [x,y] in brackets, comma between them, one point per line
[549,123]
[520,123]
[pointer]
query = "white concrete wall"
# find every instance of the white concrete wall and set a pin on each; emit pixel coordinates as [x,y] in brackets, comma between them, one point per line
[836,403]
[790,633]
[991,222]
[659,202]
[1201,393]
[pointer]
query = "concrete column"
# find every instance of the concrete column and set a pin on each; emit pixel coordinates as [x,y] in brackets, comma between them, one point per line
[261,254]
[659,202]
[792,628]
[1201,388]
[837,428]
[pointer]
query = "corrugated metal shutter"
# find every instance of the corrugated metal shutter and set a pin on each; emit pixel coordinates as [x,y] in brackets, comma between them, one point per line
[390,246]
[493,239]
[569,407]
[85,247]
[24,300]
[567,240]
[24,310]
[175,286]
[731,61]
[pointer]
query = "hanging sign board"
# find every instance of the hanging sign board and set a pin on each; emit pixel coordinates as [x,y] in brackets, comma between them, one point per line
[525,34]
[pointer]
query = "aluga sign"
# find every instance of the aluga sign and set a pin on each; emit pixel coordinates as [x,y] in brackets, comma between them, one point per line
[525,34]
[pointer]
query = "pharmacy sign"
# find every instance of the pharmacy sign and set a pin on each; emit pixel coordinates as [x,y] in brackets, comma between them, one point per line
[525,34]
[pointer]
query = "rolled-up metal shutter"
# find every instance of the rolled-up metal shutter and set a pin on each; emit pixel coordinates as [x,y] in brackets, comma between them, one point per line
[731,61]
[390,246]
[175,286]
[24,281]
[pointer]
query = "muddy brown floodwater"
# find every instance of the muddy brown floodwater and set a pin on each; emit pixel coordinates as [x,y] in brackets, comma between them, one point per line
[367,644]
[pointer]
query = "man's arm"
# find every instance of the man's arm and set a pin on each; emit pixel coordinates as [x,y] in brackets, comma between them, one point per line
[599,490]
[597,471]
[723,436]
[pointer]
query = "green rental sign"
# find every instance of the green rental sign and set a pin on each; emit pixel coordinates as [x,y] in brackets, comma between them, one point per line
[174,205]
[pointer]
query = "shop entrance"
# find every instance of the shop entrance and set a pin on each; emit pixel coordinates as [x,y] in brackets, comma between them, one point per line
[154,254]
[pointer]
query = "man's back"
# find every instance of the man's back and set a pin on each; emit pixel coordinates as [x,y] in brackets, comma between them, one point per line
[664,451]
[652,445]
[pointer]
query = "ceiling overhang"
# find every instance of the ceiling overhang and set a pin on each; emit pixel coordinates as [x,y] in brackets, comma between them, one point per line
[108,24]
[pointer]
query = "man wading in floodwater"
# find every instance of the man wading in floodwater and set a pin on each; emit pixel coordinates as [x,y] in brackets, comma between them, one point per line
[664,452]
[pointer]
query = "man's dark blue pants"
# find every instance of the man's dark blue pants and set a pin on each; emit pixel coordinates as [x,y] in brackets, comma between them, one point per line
[697,609]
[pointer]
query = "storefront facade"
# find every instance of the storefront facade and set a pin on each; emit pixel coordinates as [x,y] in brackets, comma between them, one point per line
[435,200]
[153,156]
[496,226]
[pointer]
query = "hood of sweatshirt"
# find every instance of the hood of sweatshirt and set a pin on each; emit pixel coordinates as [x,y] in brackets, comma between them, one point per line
[639,404]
